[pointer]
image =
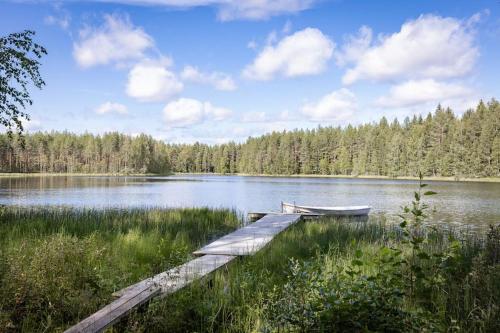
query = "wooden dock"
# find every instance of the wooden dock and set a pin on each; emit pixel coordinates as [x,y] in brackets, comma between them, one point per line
[245,241]
[162,284]
[250,239]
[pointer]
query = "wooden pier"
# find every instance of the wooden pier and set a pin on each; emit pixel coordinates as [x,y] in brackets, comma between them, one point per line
[250,239]
[242,242]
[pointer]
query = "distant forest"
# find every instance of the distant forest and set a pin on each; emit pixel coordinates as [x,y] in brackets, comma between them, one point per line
[440,144]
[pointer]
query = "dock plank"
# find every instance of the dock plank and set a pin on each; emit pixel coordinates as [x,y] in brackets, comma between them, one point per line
[175,278]
[161,284]
[251,238]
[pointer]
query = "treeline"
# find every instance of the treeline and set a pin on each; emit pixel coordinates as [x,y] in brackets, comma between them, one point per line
[440,144]
[63,152]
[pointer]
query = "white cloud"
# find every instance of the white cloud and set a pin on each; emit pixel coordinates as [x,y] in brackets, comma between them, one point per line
[235,9]
[428,47]
[216,113]
[287,27]
[272,37]
[31,125]
[62,21]
[151,81]
[252,45]
[186,112]
[354,47]
[254,117]
[219,81]
[305,52]
[338,105]
[260,9]
[110,107]
[415,92]
[115,41]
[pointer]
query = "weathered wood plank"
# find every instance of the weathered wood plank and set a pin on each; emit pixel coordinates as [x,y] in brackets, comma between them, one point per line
[245,241]
[175,278]
[250,239]
[163,283]
[254,216]
[114,311]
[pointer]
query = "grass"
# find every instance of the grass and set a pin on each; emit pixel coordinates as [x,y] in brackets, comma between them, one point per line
[279,288]
[57,266]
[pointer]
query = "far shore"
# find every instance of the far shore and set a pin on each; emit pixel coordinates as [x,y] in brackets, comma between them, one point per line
[76,174]
[428,178]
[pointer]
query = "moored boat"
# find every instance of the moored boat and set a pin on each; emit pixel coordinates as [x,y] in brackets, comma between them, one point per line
[335,211]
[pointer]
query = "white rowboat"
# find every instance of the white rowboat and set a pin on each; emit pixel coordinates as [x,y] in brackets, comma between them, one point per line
[335,211]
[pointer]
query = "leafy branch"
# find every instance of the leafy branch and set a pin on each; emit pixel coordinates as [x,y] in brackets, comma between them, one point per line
[19,66]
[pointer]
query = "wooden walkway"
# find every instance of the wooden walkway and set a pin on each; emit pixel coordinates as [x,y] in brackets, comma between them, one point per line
[250,239]
[245,241]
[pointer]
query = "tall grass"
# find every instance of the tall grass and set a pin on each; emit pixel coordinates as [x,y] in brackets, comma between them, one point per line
[323,275]
[59,265]
[284,288]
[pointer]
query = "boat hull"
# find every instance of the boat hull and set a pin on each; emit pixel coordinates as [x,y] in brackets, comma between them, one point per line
[333,211]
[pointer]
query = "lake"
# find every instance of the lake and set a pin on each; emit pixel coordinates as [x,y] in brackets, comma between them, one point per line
[476,204]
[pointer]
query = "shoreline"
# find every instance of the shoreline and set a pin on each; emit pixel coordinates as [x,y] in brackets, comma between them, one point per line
[437,178]
[77,174]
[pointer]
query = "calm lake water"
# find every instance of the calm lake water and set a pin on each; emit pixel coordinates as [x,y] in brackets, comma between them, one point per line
[465,203]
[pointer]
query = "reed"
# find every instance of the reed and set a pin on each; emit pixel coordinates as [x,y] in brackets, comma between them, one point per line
[59,265]
[281,287]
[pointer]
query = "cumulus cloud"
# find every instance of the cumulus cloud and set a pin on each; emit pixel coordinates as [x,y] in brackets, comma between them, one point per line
[187,111]
[305,52]
[150,81]
[354,47]
[219,81]
[428,47]
[254,117]
[235,9]
[338,105]
[115,41]
[110,107]
[415,92]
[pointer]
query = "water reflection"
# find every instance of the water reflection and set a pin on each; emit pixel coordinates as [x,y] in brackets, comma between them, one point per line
[471,203]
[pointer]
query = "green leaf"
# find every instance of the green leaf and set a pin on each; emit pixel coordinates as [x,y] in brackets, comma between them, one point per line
[430,193]
[357,262]
[423,255]
[358,253]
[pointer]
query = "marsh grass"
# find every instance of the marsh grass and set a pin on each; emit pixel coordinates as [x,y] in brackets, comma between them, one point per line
[60,265]
[300,283]
[322,275]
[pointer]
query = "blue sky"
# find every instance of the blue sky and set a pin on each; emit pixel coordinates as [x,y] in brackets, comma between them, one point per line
[220,70]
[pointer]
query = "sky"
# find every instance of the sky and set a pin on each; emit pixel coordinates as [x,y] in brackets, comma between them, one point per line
[219,70]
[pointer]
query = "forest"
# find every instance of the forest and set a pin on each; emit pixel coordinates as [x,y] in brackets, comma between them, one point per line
[439,144]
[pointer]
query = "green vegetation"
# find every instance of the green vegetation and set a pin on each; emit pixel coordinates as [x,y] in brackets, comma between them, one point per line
[19,67]
[58,265]
[345,276]
[111,153]
[440,145]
